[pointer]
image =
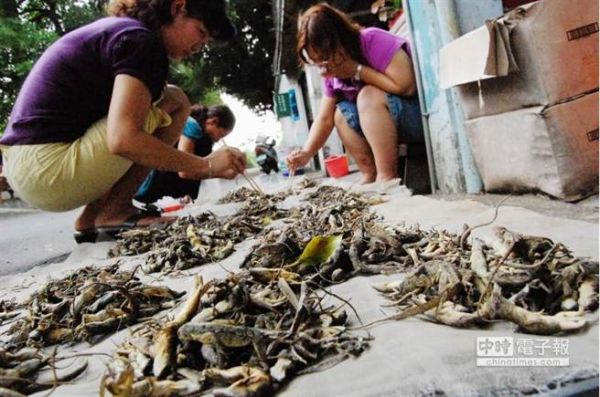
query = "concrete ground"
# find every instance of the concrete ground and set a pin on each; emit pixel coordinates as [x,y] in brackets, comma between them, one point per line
[30,237]
[584,210]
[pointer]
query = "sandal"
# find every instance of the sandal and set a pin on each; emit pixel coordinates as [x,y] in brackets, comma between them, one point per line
[109,233]
[86,236]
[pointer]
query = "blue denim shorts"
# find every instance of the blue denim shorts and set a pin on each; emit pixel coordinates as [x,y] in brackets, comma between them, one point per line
[405,112]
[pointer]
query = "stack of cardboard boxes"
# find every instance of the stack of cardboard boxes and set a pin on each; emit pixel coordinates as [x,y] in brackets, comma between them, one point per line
[528,86]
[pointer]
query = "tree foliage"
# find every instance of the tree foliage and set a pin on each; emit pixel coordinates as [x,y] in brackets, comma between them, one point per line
[22,42]
[27,28]
[243,67]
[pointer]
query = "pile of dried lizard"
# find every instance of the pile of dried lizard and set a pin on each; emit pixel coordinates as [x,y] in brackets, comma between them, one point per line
[516,278]
[86,305]
[193,241]
[30,370]
[530,281]
[245,195]
[333,236]
[248,334]
[240,336]
[245,337]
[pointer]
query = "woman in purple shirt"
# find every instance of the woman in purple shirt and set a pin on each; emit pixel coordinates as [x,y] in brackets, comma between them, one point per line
[95,113]
[370,91]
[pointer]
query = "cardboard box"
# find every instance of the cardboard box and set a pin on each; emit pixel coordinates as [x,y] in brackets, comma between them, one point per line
[539,54]
[551,149]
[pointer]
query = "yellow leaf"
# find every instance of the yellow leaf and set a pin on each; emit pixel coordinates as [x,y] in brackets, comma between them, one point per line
[320,249]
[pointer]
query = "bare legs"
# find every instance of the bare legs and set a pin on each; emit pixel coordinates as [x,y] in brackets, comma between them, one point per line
[377,154]
[115,206]
[358,147]
[380,131]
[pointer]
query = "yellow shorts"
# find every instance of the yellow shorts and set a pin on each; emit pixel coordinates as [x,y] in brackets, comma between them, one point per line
[66,175]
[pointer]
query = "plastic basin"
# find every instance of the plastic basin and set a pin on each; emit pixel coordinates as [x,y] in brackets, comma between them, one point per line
[337,166]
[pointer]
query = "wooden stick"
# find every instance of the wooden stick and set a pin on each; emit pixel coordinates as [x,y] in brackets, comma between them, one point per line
[291,173]
[253,184]
[251,181]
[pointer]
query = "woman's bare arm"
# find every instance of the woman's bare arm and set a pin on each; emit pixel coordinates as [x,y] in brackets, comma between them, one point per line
[321,127]
[130,104]
[186,145]
[398,78]
[319,132]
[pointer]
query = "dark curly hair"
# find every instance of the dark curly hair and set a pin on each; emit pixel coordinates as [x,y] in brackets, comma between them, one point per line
[157,13]
[325,29]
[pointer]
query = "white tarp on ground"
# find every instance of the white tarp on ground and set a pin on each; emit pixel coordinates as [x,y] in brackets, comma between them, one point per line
[409,357]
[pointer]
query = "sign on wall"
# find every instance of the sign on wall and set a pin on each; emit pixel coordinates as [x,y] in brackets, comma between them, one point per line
[286,105]
[295,114]
[282,105]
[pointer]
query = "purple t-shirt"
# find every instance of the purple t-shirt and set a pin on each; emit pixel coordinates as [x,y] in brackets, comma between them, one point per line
[70,86]
[378,48]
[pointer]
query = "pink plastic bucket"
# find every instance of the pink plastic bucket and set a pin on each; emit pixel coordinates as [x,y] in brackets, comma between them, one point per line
[337,166]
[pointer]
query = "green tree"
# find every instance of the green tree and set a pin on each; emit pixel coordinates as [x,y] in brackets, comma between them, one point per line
[22,43]
[242,68]
[8,9]
[61,16]
[27,28]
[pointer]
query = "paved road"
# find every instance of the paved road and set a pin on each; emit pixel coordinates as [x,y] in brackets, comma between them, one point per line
[31,237]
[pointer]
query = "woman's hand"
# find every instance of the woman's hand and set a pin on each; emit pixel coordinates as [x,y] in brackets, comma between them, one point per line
[296,159]
[227,163]
[347,69]
[341,67]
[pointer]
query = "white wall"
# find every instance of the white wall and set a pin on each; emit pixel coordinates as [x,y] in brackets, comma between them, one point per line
[315,93]
[294,132]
